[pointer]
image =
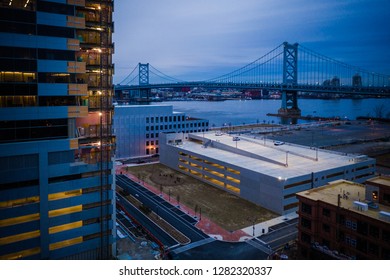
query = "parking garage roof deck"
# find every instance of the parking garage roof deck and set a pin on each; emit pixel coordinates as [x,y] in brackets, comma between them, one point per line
[267,159]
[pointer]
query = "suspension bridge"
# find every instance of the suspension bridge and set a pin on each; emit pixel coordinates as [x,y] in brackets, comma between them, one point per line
[288,68]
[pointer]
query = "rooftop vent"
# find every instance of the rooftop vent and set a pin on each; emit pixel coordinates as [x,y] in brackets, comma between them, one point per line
[384,216]
[360,206]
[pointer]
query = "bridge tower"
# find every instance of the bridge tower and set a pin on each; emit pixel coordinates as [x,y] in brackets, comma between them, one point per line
[290,79]
[143,71]
[143,80]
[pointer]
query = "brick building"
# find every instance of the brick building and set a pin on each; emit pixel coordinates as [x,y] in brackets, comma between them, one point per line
[345,220]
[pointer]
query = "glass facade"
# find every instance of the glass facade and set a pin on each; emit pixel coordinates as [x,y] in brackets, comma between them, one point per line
[56,140]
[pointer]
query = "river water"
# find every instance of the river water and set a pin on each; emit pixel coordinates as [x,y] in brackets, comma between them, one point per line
[236,112]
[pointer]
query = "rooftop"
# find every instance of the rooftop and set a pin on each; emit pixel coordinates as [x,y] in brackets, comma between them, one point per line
[265,157]
[350,193]
[381,180]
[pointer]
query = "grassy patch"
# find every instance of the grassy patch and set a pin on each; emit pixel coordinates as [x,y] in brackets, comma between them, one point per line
[227,210]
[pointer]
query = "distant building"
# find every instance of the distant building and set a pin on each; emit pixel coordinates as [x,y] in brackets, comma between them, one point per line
[137,128]
[357,80]
[262,171]
[335,82]
[345,220]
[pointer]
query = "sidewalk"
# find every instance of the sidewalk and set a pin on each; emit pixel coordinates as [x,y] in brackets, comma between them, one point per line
[204,223]
[262,228]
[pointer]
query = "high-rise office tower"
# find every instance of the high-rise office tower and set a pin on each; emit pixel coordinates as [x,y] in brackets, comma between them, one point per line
[56,142]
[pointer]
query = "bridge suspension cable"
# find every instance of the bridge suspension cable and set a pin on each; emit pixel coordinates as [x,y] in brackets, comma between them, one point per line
[318,69]
[163,76]
[261,70]
[128,76]
[313,71]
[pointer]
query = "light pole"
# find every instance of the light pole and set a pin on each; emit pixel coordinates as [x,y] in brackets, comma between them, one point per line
[253,220]
[286,158]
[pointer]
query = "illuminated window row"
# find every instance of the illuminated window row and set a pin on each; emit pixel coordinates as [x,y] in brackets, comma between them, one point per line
[233,189]
[21,254]
[24,77]
[65,243]
[214,164]
[183,160]
[65,227]
[184,168]
[214,181]
[196,173]
[18,101]
[19,237]
[196,158]
[196,165]
[19,220]
[65,211]
[67,194]
[19,202]
[36,216]
[36,233]
[214,172]
[234,180]
[233,171]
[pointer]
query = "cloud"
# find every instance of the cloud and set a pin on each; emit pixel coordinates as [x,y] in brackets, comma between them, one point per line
[194,38]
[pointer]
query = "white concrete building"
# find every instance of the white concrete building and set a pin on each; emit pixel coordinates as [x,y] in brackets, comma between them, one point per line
[266,173]
[137,128]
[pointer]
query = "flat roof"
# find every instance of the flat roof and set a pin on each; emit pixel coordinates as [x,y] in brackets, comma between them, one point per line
[269,159]
[381,180]
[353,191]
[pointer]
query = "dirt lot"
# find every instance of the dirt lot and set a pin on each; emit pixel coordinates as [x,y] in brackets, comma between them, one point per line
[227,210]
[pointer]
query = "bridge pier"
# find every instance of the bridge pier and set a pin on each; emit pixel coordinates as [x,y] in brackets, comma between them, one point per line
[289,104]
[290,78]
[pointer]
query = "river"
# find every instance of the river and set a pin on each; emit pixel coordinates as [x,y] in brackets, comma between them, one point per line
[236,112]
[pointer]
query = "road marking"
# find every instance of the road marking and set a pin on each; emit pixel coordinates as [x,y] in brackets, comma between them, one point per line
[259,246]
[193,245]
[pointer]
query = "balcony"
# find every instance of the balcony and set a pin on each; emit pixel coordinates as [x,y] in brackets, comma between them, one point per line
[76,67]
[77,111]
[76,22]
[90,131]
[76,2]
[78,89]
[73,44]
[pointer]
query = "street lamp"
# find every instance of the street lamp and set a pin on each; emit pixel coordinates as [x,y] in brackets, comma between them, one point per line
[253,220]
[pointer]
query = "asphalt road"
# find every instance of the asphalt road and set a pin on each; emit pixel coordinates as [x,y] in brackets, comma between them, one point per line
[204,248]
[156,231]
[178,219]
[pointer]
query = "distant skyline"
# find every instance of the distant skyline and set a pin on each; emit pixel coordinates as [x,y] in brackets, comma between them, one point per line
[201,39]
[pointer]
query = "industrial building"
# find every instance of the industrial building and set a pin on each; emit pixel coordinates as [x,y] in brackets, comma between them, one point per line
[264,172]
[345,220]
[56,141]
[137,128]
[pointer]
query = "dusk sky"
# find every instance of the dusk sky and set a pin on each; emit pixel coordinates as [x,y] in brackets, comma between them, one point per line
[202,39]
